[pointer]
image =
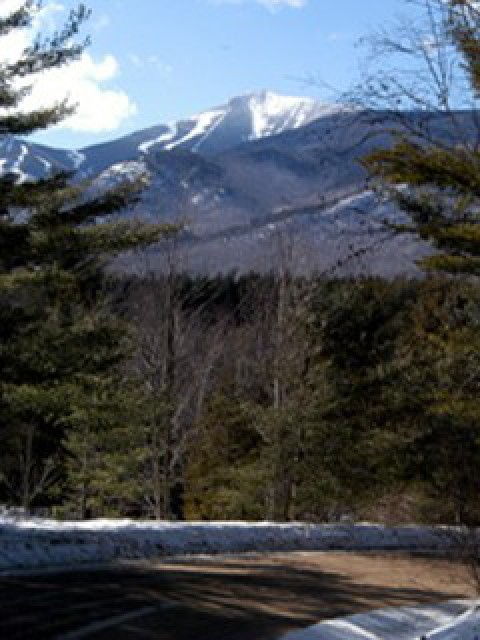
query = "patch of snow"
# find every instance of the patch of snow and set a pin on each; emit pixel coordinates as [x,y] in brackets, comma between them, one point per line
[353,201]
[273,113]
[19,161]
[127,168]
[21,176]
[46,165]
[130,170]
[77,158]
[403,623]
[164,137]
[202,124]
[33,542]
[118,174]
[16,164]
[198,198]
[267,107]
[210,129]
[204,196]
[465,627]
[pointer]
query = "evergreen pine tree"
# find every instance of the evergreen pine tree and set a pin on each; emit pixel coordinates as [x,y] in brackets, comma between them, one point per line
[61,343]
[438,186]
[442,198]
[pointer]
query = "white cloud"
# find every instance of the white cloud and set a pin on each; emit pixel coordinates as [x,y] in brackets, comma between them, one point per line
[7,6]
[276,4]
[82,82]
[272,5]
[152,61]
[98,108]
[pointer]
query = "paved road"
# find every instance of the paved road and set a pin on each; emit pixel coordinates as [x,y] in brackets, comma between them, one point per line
[235,598]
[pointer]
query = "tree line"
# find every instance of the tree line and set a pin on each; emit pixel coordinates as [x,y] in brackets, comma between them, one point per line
[267,397]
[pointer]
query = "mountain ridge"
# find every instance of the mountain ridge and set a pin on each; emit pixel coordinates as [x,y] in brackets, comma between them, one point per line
[251,116]
[261,167]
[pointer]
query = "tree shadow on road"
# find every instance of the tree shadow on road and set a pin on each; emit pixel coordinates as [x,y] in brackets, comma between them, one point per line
[254,598]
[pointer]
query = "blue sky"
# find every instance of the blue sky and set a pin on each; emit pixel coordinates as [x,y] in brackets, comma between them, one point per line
[152,61]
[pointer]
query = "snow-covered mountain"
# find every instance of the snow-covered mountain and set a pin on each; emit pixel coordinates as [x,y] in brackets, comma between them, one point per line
[239,174]
[244,118]
[25,160]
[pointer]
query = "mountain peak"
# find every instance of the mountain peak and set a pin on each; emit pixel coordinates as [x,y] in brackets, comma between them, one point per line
[252,116]
[271,101]
[266,95]
[273,113]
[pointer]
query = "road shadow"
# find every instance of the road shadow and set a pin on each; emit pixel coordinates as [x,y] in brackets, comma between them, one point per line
[254,598]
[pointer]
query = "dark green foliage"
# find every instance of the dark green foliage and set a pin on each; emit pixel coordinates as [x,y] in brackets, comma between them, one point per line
[375,405]
[365,422]
[438,187]
[349,420]
[225,477]
[61,342]
[441,369]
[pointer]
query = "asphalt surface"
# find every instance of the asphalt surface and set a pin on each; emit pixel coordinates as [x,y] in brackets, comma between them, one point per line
[234,598]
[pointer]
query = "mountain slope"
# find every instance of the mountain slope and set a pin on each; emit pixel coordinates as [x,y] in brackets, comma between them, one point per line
[244,118]
[249,117]
[305,187]
[245,176]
